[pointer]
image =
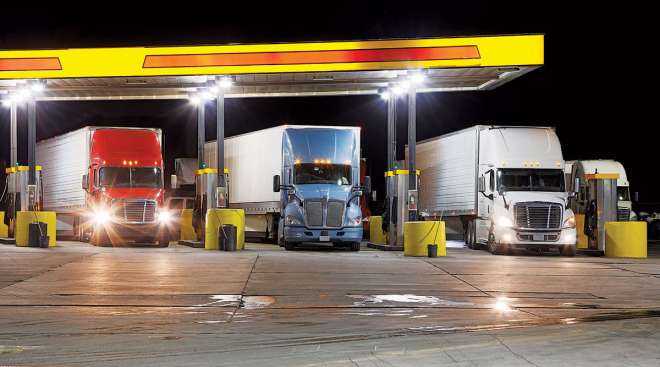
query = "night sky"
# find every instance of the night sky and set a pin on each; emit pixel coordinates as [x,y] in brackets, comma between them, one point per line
[591,87]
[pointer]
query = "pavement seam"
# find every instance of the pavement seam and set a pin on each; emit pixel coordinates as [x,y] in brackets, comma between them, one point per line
[457,278]
[520,356]
[17,284]
[243,291]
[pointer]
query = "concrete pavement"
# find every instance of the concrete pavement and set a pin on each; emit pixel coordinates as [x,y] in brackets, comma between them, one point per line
[82,305]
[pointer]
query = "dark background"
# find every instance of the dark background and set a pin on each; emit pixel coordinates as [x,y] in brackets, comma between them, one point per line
[595,86]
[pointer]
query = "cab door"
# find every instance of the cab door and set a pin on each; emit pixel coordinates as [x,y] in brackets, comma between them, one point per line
[485,204]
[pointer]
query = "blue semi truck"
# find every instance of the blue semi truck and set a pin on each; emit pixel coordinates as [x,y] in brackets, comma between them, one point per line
[316,189]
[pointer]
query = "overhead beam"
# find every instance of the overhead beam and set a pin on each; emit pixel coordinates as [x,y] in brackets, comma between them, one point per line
[456,52]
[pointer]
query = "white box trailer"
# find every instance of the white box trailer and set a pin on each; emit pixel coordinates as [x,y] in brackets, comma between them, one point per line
[65,159]
[505,183]
[252,159]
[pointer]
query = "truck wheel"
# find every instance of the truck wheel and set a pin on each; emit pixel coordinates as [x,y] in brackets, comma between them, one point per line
[355,246]
[471,237]
[163,241]
[496,248]
[289,246]
[100,238]
[567,250]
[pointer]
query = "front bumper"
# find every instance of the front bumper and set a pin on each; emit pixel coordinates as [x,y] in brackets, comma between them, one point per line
[135,231]
[302,234]
[527,238]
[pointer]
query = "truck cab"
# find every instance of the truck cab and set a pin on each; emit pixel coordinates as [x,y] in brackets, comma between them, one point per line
[320,187]
[523,201]
[124,188]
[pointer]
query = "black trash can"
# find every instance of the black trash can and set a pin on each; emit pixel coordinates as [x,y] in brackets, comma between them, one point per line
[432,250]
[227,237]
[38,235]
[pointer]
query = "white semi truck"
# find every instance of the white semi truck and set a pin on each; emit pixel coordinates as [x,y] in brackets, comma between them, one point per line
[505,183]
[578,170]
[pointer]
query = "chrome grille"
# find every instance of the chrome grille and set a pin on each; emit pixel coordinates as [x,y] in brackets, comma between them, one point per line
[314,213]
[623,214]
[538,215]
[335,214]
[136,211]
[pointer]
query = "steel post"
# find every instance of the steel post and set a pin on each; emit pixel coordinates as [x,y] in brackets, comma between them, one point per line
[412,166]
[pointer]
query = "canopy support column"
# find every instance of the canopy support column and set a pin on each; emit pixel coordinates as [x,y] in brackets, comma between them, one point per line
[13,134]
[32,144]
[412,164]
[201,135]
[221,189]
[391,157]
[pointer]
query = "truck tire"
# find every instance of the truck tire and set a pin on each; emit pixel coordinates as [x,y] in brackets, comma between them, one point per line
[471,235]
[567,250]
[355,246]
[289,246]
[100,238]
[496,248]
[163,240]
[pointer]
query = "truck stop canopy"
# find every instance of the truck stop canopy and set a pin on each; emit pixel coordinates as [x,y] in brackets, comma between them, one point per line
[261,70]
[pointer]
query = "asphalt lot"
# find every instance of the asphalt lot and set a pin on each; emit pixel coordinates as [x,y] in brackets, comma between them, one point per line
[81,305]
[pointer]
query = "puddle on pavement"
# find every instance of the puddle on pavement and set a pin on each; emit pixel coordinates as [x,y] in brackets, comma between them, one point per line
[255,302]
[370,300]
[247,302]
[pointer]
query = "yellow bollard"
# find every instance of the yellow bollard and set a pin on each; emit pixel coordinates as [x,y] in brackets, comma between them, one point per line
[582,239]
[23,219]
[217,217]
[376,234]
[4,229]
[186,226]
[418,235]
[625,239]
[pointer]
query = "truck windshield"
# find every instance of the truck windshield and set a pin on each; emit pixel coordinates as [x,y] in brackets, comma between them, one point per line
[551,180]
[623,193]
[146,177]
[311,173]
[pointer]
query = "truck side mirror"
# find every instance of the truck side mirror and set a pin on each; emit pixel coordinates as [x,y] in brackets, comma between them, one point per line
[576,187]
[482,184]
[173,182]
[636,196]
[85,182]
[276,183]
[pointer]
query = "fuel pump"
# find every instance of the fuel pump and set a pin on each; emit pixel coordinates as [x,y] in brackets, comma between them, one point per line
[403,203]
[20,195]
[600,208]
[208,195]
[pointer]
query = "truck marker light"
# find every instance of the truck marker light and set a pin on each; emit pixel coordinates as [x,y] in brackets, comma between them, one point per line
[135,162]
[297,161]
[124,162]
[316,161]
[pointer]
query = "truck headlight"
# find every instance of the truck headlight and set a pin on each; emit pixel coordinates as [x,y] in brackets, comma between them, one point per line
[101,216]
[569,222]
[164,216]
[357,221]
[504,222]
[291,220]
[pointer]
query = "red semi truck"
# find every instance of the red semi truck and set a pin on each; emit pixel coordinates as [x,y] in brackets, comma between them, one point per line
[106,185]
